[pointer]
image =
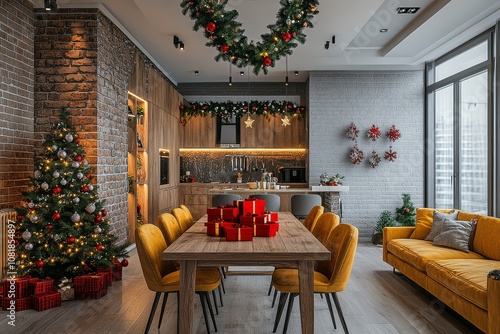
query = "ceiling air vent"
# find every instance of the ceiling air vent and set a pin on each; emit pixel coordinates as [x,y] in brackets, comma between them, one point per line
[407,10]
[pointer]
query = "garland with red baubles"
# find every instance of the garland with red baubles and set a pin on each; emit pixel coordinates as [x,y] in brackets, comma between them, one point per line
[224,32]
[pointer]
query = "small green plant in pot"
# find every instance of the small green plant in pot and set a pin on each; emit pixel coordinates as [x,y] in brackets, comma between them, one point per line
[385,220]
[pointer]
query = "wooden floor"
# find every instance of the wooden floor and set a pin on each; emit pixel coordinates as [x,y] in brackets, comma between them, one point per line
[376,301]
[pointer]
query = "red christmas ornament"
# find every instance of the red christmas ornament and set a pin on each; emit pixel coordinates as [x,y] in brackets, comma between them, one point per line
[286,36]
[16,242]
[84,188]
[19,217]
[98,218]
[99,247]
[39,264]
[373,133]
[181,107]
[224,48]
[210,27]
[265,107]
[70,240]
[50,227]
[88,176]
[56,216]
[78,158]
[104,213]
[124,263]
[77,140]
[56,190]
[266,61]
[406,210]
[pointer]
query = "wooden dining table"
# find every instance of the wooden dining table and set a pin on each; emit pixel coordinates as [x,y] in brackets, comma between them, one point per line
[292,245]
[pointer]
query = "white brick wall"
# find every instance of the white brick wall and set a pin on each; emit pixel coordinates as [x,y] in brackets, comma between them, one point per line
[373,97]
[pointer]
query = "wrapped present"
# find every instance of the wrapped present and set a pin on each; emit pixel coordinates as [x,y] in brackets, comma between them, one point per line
[46,301]
[107,274]
[249,220]
[67,294]
[265,230]
[271,216]
[117,270]
[1,290]
[251,206]
[16,304]
[19,286]
[89,283]
[214,229]
[99,294]
[236,232]
[227,213]
[40,286]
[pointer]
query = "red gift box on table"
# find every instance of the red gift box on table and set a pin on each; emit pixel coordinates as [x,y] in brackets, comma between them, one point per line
[236,232]
[249,220]
[252,206]
[107,274]
[271,216]
[19,286]
[265,230]
[17,304]
[214,229]
[38,287]
[45,301]
[227,213]
[117,270]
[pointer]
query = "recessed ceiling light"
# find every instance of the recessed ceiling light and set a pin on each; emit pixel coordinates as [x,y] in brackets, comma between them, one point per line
[242,73]
[383,30]
[196,73]
[407,10]
[296,73]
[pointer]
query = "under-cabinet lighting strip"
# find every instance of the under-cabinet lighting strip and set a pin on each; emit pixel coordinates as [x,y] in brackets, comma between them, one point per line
[243,149]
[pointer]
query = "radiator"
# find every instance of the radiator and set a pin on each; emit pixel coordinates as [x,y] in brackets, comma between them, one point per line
[5,216]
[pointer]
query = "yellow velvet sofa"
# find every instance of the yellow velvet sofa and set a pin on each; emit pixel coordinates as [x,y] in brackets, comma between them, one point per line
[457,278]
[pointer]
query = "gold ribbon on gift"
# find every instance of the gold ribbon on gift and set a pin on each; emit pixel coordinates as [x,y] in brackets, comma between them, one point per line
[221,213]
[217,229]
[254,230]
[239,234]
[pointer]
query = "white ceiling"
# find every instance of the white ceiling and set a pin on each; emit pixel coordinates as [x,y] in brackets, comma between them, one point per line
[438,26]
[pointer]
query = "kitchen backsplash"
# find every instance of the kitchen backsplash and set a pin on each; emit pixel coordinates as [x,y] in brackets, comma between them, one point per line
[223,166]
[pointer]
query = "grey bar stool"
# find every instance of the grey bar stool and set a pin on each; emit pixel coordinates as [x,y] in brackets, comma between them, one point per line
[272,201]
[303,203]
[223,199]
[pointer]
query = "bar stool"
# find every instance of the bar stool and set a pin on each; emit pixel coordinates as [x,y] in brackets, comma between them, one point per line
[303,203]
[223,199]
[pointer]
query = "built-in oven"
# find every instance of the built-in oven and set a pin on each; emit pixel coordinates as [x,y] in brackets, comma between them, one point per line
[292,175]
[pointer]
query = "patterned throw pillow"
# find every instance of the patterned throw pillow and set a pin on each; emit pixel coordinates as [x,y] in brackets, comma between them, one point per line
[437,224]
[455,234]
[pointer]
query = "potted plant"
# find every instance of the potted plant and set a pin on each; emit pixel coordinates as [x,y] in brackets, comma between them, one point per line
[332,181]
[405,215]
[139,113]
[385,220]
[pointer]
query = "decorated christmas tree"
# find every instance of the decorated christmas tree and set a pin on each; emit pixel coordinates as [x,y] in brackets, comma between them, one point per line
[405,215]
[62,229]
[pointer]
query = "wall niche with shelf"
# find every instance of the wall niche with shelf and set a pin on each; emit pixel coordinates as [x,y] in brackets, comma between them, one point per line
[137,163]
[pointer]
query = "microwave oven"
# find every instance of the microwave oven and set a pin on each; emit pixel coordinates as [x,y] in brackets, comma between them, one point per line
[292,175]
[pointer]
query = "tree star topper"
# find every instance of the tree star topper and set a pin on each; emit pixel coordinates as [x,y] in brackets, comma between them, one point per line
[285,121]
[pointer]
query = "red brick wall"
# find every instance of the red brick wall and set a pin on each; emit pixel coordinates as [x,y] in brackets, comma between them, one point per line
[16,99]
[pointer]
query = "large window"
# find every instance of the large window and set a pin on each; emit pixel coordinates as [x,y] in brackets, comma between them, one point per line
[460,128]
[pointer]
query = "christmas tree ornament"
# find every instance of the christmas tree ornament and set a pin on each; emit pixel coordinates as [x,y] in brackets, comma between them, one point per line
[70,240]
[85,162]
[63,182]
[210,27]
[97,230]
[104,213]
[88,176]
[374,160]
[56,190]
[393,134]
[285,121]
[16,242]
[373,133]
[37,174]
[90,208]
[49,227]
[44,186]
[62,154]
[356,155]
[75,217]
[56,174]
[99,247]
[54,148]
[391,155]
[91,187]
[56,216]
[352,132]
[78,158]
[26,235]
[31,205]
[249,122]
[69,137]
[28,246]
[39,264]
[75,164]
[19,217]
[57,237]
[34,218]
[124,263]
[84,188]
[76,200]
[77,140]
[79,175]
[98,218]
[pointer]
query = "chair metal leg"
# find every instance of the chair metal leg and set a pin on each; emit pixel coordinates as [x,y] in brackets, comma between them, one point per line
[207,297]
[178,313]
[215,302]
[222,281]
[223,271]
[289,311]
[274,298]
[270,288]
[220,295]
[165,296]
[329,302]
[204,309]
[153,309]
[281,306]
[339,310]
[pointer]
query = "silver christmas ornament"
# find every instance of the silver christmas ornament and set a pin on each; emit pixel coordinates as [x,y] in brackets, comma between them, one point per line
[45,186]
[79,175]
[85,162]
[37,174]
[62,154]
[28,246]
[55,174]
[31,205]
[97,230]
[69,137]
[90,207]
[76,200]
[63,182]
[26,235]
[34,218]
[54,148]
[91,187]
[75,217]
[57,237]
[75,164]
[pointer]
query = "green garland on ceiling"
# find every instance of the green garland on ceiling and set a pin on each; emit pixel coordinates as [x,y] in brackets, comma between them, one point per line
[225,33]
[229,109]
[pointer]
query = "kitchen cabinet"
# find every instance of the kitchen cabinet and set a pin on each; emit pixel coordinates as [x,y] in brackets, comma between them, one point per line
[199,132]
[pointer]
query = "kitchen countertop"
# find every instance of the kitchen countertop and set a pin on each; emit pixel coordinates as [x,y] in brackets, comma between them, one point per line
[312,189]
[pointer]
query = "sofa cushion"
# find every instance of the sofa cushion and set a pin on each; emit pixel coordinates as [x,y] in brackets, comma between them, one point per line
[417,252]
[465,277]
[486,237]
[455,234]
[437,223]
[423,222]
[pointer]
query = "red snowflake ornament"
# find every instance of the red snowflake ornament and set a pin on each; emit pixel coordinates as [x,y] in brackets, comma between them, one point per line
[374,133]
[393,134]
[352,132]
[374,160]
[391,155]
[356,155]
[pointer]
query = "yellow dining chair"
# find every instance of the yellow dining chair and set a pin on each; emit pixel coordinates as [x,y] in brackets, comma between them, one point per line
[182,219]
[188,213]
[169,227]
[163,277]
[313,216]
[330,276]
